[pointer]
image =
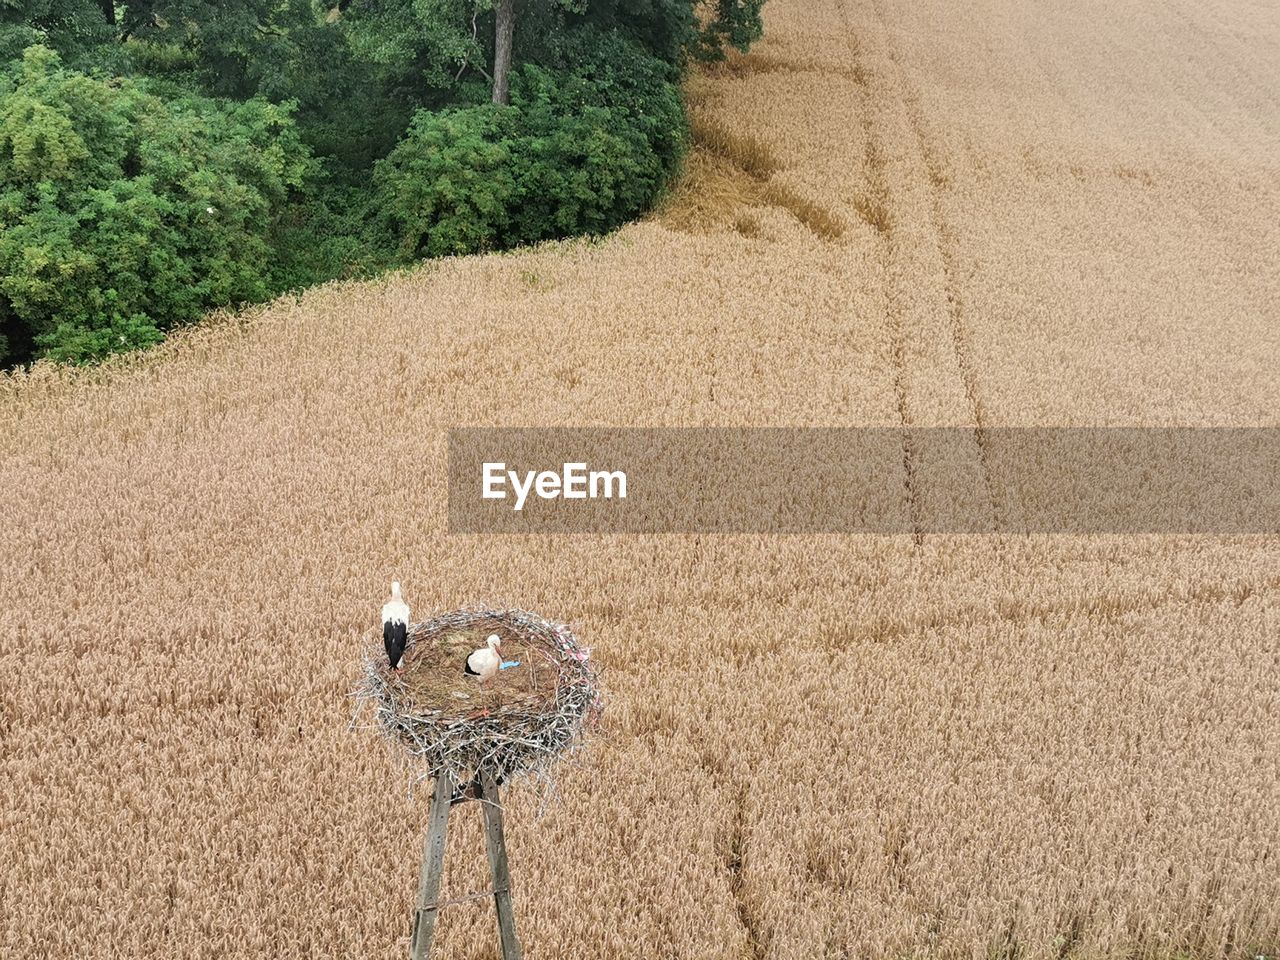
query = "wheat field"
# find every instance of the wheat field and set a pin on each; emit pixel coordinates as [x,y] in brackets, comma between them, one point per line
[1015,747]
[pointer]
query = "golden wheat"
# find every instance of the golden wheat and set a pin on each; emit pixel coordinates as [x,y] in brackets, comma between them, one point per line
[935,746]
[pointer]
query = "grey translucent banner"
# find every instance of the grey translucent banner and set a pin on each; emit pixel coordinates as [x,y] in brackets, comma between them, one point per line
[865,480]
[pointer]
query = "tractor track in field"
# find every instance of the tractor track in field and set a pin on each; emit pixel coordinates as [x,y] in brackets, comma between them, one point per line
[874,204]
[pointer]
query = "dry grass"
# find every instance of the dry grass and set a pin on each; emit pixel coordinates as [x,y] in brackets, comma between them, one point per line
[712,191]
[727,172]
[942,747]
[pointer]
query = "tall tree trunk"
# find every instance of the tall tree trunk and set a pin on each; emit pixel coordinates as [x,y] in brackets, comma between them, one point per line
[108,10]
[505,17]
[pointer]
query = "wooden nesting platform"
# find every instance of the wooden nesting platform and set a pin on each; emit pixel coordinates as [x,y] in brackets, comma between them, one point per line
[471,738]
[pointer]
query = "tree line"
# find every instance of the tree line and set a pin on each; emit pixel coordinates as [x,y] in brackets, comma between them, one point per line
[160,158]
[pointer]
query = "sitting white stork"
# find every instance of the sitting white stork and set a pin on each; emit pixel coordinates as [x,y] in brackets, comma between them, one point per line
[487,661]
[395,626]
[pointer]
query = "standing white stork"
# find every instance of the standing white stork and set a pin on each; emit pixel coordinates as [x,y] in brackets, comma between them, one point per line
[487,661]
[395,626]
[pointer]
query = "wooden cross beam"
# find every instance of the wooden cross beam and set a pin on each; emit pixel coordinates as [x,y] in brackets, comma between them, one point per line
[427,904]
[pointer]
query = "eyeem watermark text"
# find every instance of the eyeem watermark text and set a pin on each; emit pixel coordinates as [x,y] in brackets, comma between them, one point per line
[574,481]
[851,480]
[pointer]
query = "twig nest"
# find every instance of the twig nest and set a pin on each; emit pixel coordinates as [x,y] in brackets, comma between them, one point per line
[538,706]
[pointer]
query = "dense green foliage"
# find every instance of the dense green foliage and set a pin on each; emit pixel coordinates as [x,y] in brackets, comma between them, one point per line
[78,29]
[121,211]
[162,157]
[580,150]
[734,23]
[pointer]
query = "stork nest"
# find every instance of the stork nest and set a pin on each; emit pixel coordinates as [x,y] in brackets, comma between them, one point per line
[516,725]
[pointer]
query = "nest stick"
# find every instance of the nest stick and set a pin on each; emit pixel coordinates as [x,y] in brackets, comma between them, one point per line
[515,732]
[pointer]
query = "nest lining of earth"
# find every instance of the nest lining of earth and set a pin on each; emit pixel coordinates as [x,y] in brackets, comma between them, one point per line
[518,724]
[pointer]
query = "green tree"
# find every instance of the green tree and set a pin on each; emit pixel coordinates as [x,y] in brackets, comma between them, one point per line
[227,46]
[581,149]
[421,48]
[733,23]
[433,47]
[123,213]
[80,30]
[451,183]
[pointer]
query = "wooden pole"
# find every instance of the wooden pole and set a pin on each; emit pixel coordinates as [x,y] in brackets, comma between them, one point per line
[498,865]
[426,905]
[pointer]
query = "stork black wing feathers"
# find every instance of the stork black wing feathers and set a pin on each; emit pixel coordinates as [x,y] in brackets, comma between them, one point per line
[394,639]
